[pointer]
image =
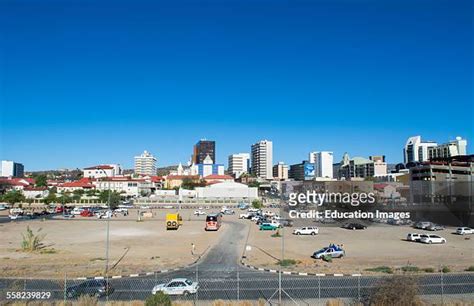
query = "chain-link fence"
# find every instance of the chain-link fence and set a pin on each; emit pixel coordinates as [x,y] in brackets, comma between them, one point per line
[237,285]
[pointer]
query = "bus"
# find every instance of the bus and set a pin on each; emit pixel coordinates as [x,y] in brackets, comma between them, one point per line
[213,222]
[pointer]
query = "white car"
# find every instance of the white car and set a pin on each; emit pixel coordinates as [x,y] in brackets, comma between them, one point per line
[431,239]
[199,212]
[268,213]
[244,216]
[15,217]
[121,210]
[3,207]
[254,210]
[77,211]
[464,231]
[413,237]
[311,230]
[177,286]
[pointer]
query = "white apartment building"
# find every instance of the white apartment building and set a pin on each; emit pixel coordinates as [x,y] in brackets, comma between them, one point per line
[416,150]
[262,159]
[239,164]
[323,161]
[11,169]
[100,171]
[124,185]
[280,171]
[145,164]
[453,148]
[380,166]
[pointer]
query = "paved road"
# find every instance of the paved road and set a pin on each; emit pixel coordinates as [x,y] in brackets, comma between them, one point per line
[221,277]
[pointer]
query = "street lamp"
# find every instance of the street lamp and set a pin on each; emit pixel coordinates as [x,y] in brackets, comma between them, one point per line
[108,228]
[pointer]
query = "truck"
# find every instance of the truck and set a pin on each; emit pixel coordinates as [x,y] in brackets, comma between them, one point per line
[173,221]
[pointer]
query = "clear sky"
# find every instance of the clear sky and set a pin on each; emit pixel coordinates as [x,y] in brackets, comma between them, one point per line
[87,82]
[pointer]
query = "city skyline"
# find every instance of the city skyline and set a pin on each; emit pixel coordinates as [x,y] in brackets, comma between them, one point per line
[130,165]
[82,85]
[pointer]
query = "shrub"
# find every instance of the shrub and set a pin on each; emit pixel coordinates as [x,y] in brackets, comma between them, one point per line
[381,269]
[428,270]
[470,269]
[395,290]
[86,300]
[32,242]
[287,262]
[445,269]
[410,269]
[158,299]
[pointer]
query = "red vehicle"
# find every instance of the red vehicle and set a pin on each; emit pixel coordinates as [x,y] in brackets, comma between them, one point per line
[213,222]
[59,209]
[86,213]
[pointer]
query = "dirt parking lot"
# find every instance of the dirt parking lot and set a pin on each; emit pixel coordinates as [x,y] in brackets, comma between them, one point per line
[79,245]
[378,245]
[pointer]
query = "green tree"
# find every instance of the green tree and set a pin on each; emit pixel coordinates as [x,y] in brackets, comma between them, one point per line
[254,184]
[51,198]
[41,180]
[13,196]
[114,198]
[257,204]
[77,194]
[158,299]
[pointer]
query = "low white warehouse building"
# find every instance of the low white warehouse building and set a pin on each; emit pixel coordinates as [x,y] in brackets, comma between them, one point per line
[227,190]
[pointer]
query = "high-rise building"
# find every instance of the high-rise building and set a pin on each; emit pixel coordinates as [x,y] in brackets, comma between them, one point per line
[416,150]
[262,159]
[323,161]
[453,148]
[12,169]
[202,149]
[239,164]
[280,171]
[145,164]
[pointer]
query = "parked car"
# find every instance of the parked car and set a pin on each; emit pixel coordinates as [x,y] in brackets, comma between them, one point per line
[413,237]
[268,227]
[228,212]
[354,226]
[68,216]
[199,212]
[246,216]
[243,206]
[254,210]
[15,217]
[3,207]
[332,250]
[464,231]
[435,227]
[96,287]
[432,239]
[87,213]
[77,210]
[310,230]
[423,224]
[286,222]
[177,286]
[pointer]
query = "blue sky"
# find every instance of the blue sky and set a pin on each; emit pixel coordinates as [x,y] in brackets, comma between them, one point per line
[87,82]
